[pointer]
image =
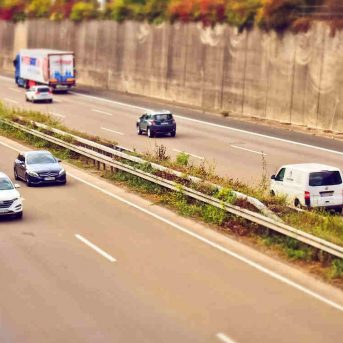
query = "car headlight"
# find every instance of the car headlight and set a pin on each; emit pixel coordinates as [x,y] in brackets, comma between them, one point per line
[32,173]
[62,172]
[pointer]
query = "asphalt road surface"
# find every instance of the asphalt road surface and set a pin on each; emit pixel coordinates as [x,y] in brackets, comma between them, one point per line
[88,266]
[236,150]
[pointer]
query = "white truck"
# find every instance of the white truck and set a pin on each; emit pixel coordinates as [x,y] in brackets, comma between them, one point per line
[53,68]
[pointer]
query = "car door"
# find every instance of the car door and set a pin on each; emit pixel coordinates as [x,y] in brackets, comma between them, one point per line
[144,122]
[20,166]
[277,182]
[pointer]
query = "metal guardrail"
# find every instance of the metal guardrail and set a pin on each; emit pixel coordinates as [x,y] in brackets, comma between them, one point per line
[257,218]
[118,151]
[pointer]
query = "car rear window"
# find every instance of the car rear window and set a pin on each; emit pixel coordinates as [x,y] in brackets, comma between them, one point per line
[325,178]
[163,117]
[43,90]
[5,184]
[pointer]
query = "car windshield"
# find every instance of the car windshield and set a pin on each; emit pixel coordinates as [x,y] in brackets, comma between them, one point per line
[5,184]
[163,117]
[40,159]
[325,178]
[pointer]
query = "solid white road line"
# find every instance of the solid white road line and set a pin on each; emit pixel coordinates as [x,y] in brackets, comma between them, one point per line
[206,123]
[224,338]
[57,114]
[14,89]
[94,247]
[217,246]
[203,122]
[253,151]
[117,132]
[11,100]
[110,101]
[201,158]
[102,112]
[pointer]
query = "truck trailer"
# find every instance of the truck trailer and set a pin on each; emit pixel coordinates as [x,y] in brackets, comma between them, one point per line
[53,68]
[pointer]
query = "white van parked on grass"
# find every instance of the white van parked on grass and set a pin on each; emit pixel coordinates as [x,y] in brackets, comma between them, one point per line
[309,185]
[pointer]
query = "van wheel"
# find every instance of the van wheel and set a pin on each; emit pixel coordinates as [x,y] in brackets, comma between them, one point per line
[297,203]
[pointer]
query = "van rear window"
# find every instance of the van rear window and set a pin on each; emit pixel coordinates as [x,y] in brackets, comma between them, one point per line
[325,178]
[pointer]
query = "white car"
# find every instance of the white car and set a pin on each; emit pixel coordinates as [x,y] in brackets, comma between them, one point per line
[310,185]
[39,93]
[11,202]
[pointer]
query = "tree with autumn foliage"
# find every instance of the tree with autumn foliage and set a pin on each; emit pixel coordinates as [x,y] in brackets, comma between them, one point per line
[276,15]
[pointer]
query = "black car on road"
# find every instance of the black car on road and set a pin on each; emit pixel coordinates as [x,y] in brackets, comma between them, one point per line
[154,123]
[39,167]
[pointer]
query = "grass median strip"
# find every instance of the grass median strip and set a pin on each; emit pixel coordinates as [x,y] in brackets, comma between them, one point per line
[321,224]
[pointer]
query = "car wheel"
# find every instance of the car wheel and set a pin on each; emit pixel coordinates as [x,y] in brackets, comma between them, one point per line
[173,134]
[28,183]
[16,174]
[150,134]
[19,215]
[33,101]
[26,99]
[139,131]
[50,101]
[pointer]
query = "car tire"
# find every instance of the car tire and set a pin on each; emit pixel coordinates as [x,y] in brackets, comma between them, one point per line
[33,101]
[150,134]
[26,98]
[16,177]
[28,183]
[50,101]
[173,134]
[19,215]
[139,131]
[297,203]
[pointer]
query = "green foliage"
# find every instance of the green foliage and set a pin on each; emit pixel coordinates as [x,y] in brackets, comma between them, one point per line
[182,159]
[226,195]
[120,10]
[213,215]
[336,270]
[39,8]
[83,10]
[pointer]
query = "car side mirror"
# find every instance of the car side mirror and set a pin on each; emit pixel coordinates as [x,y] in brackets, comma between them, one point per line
[16,185]
[273,177]
[59,160]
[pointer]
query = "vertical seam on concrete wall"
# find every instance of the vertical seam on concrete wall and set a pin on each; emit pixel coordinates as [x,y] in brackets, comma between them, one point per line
[223,73]
[245,69]
[293,80]
[186,58]
[320,76]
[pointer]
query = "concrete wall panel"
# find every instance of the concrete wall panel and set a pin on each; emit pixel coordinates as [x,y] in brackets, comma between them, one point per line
[293,78]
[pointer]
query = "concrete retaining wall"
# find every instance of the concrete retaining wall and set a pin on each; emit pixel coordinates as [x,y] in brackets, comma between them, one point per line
[294,78]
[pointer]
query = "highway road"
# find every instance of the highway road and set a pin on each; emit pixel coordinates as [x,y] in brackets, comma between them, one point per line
[235,148]
[91,262]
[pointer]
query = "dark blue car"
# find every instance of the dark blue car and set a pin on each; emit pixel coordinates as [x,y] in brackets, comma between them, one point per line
[39,167]
[154,123]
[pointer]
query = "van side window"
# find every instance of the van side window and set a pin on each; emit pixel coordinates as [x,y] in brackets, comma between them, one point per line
[280,175]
